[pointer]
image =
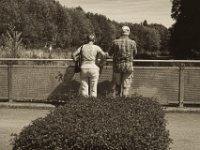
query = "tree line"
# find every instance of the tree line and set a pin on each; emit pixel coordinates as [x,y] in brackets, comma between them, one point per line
[44,22]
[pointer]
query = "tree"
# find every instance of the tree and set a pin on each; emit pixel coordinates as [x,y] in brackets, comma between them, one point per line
[150,41]
[104,29]
[81,26]
[40,26]
[164,38]
[12,40]
[10,15]
[145,23]
[147,39]
[44,22]
[64,23]
[185,33]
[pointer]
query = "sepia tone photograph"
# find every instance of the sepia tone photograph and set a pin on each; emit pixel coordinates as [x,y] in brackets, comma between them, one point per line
[99,75]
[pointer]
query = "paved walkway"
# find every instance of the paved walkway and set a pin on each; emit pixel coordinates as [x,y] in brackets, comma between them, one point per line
[26,105]
[49,106]
[12,120]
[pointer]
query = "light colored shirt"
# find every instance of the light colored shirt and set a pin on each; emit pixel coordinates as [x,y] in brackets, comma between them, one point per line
[89,55]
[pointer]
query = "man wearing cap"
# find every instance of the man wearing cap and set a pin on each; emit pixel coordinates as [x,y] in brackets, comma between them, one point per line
[123,51]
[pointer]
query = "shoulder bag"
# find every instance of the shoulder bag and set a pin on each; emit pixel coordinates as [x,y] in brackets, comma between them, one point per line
[78,62]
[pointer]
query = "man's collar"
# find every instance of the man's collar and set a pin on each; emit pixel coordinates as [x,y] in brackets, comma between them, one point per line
[125,36]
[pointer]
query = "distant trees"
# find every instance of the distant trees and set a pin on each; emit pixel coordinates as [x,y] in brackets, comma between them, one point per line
[165,35]
[80,27]
[147,39]
[104,29]
[44,22]
[185,38]
[152,39]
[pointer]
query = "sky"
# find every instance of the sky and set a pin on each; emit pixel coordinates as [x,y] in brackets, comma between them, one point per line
[134,11]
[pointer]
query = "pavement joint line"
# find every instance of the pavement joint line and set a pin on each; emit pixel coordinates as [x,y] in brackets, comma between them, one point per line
[50,106]
[183,109]
[26,105]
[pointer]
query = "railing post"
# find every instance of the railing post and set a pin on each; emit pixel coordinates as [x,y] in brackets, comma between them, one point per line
[181,85]
[10,81]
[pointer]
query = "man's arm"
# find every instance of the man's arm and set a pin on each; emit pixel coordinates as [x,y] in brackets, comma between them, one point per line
[134,49]
[111,49]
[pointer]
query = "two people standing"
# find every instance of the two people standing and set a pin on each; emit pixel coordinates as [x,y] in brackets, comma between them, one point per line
[123,51]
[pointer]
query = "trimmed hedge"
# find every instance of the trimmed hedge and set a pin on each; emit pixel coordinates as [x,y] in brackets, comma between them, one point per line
[98,124]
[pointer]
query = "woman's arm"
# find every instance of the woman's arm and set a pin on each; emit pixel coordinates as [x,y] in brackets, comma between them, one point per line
[76,53]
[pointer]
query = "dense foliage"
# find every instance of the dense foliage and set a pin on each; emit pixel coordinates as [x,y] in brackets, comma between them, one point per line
[98,124]
[185,40]
[47,22]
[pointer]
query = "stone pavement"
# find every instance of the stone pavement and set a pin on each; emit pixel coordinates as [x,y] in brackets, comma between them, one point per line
[26,105]
[49,106]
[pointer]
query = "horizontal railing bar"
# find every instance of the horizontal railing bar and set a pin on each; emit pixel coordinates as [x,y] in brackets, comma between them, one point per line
[109,60]
[33,59]
[167,61]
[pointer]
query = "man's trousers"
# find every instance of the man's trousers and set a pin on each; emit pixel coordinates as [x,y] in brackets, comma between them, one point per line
[121,84]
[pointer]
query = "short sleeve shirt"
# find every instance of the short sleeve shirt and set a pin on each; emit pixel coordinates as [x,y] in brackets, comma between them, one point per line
[123,50]
[89,55]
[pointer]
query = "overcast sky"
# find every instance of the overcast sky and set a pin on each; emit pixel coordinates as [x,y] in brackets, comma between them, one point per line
[135,11]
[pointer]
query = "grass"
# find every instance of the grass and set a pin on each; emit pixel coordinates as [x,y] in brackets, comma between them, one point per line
[37,53]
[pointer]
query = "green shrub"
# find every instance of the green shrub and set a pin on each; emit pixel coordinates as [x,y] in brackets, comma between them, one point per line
[98,124]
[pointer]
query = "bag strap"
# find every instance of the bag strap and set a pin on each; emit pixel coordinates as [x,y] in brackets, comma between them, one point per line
[81,50]
[80,54]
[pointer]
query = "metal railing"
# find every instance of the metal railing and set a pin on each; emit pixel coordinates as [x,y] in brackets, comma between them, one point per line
[182,75]
[109,60]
